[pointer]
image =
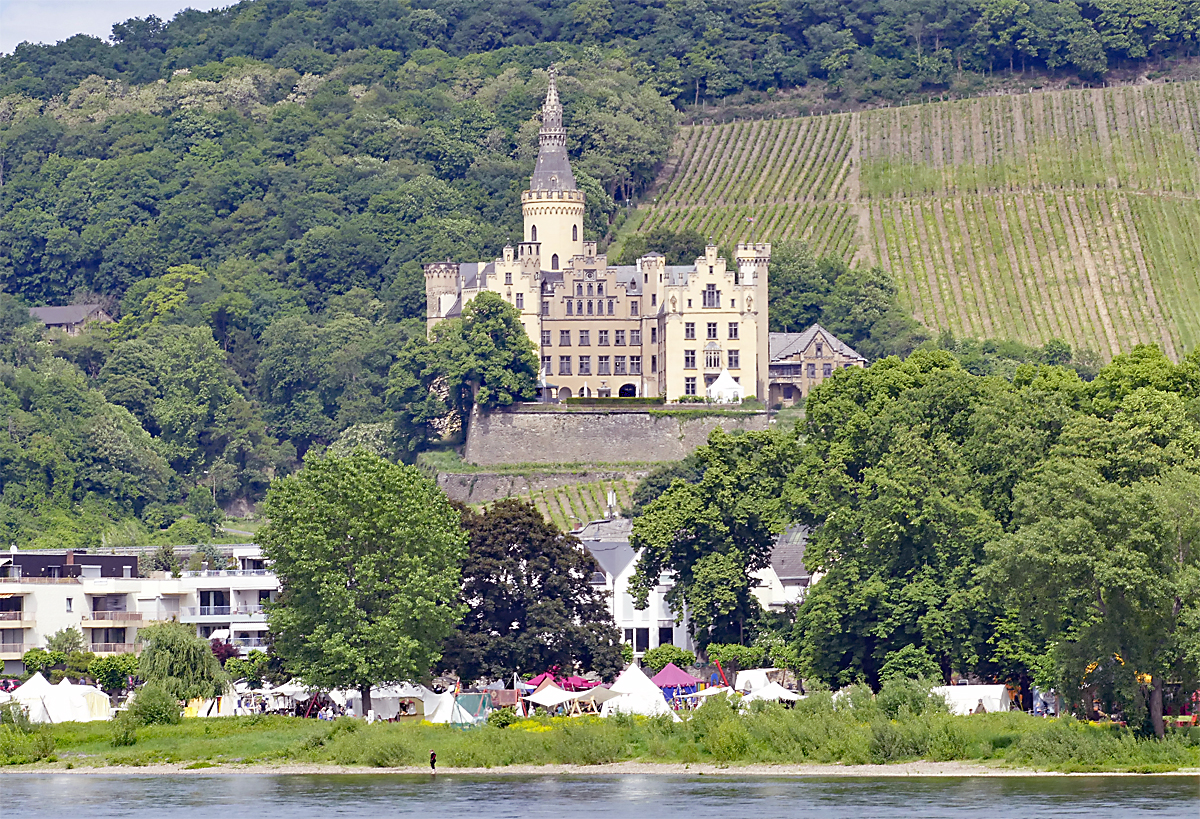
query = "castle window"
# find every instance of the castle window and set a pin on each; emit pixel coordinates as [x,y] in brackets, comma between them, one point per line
[610,307]
[585,365]
[653,363]
[554,262]
[545,338]
[633,308]
[602,338]
[689,329]
[570,309]
[712,330]
[590,290]
[712,359]
[733,360]
[733,329]
[599,288]
[689,304]
[689,359]
[712,296]
[619,338]
[602,365]
[574,233]
[508,277]
[635,337]
[585,338]
[545,308]
[689,385]
[589,308]
[564,338]
[578,288]
[618,365]
[579,308]
[546,365]
[533,233]
[635,365]
[564,365]
[520,301]
[653,299]
[653,336]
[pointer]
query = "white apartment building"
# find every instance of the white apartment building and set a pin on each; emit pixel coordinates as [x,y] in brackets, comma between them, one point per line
[43,593]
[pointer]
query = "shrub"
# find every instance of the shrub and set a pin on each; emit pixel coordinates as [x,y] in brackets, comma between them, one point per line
[19,747]
[901,697]
[502,717]
[154,705]
[728,741]
[123,731]
[657,658]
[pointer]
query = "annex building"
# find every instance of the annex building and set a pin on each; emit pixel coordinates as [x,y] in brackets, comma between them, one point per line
[648,329]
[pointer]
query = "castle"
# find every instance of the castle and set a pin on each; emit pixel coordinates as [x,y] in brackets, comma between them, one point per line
[648,329]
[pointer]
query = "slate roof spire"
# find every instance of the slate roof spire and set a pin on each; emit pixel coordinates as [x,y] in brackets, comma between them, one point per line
[553,169]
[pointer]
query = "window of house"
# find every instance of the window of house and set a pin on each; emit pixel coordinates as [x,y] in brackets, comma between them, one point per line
[733,360]
[602,338]
[611,305]
[629,636]
[520,301]
[585,338]
[712,296]
[826,370]
[570,311]
[689,359]
[689,329]
[619,338]
[508,277]
[585,365]
[554,262]
[545,338]
[788,393]
[633,308]
[712,359]
[545,308]
[602,365]
[564,338]
[590,308]
[641,641]
[653,363]
[635,337]
[820,350]
[689,385]
[564,365]
[733,330]
[811,370]
[733,304]
[618,365]
[635,365]
[847,366]
[653,335]
[665,636]
[689,304]
[546,365]
[712,330]
[578,288]
[70,604]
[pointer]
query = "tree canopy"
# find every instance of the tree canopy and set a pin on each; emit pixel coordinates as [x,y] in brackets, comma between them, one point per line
[178,662]
[368,554]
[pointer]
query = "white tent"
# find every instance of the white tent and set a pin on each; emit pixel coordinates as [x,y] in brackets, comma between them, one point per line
[725,390]
[752,679]
[551,696]
[773,692]
[385,699]
[639,695]
[65,702]
[709,692]
[963,699]
[447,710]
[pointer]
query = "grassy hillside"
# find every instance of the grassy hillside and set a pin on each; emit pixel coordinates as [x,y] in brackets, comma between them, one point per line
[1070,214]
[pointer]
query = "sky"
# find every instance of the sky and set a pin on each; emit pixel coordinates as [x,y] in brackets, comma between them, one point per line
[51,21]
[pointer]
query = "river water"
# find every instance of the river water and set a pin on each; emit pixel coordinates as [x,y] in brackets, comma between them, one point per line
[254,796]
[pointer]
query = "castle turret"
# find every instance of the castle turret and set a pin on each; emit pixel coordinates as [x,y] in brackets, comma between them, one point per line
[553,206]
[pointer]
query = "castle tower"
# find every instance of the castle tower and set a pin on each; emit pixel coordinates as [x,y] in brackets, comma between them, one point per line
[441,291]
[553,205]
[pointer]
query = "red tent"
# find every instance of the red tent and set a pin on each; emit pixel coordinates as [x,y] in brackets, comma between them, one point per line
[673,677]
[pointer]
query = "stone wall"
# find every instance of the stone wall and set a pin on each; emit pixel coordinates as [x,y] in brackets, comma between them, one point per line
[539,434]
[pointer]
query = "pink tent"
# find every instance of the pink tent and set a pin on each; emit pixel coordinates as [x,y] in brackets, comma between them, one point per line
[673,677]
[576,683]
[545,675]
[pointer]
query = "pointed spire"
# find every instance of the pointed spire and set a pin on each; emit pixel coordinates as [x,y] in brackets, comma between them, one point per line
[553,169]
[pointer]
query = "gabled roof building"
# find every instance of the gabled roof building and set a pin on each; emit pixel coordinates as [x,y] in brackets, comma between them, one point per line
[800,361]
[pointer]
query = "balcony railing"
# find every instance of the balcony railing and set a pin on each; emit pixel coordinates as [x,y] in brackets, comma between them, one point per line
[249,642]
[19,578]
[12,615]
[112,648]
[112,615]
[229,573]
[222,611]
[12,648]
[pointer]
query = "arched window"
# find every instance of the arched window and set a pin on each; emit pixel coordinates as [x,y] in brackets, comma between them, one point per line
[574,233]
[533,233]
[554,262]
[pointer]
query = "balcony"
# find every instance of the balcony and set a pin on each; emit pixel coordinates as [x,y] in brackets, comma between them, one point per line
[249,642]
[113,648]
[223,611]
[229,573]
[11,651]
[113,616]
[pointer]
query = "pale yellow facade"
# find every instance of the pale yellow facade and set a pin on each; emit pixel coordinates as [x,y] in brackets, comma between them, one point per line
[648,329]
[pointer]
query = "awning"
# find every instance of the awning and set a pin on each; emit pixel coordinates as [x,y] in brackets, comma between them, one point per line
[552,696]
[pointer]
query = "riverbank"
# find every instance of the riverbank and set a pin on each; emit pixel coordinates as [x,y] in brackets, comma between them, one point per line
[812,737]
[917,769]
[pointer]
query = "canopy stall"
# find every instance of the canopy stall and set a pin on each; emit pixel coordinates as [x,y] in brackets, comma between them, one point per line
[709,692]
[638,695]
[675,681]
[772,692]
[965,699]
[65,702]
[753,678]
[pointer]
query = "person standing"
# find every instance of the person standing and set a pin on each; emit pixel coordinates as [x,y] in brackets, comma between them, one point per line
[433,763]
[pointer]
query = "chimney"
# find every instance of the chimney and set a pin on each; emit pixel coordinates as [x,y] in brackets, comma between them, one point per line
[70,561]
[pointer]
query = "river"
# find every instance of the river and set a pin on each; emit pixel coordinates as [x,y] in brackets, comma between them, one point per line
[255,796]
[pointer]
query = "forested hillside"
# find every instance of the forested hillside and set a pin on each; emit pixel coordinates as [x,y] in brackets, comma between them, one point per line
[1069,215]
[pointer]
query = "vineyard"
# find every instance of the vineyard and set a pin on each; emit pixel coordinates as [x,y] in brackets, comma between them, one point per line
[571,506]
[1069,214]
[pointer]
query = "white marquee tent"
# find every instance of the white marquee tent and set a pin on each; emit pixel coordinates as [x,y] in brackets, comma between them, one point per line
[963,699]
[773,692]
[638,695]
[725,390]
[65,702]
[752,679]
